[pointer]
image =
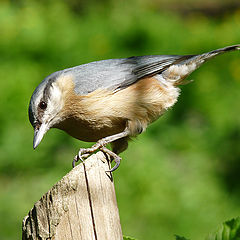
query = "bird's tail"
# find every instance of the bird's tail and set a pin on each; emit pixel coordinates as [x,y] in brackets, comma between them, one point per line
[209,55]
[189,63]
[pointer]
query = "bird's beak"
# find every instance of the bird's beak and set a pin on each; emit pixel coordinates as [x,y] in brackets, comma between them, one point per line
[39,132]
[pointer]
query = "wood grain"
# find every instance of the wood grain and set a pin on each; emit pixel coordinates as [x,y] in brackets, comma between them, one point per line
[81,206]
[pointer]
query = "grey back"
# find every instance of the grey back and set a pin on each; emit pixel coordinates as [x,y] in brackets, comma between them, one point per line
[116,74]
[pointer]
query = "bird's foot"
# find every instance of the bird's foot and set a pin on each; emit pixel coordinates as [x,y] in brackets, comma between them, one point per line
[114,157]
[86,152]
[82,155]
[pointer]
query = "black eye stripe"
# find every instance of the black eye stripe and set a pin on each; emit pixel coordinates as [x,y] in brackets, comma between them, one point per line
[43,105]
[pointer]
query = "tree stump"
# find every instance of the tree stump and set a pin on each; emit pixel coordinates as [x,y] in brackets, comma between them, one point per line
[81,206]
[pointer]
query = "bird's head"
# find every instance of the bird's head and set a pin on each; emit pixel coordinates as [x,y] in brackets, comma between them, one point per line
[45,106]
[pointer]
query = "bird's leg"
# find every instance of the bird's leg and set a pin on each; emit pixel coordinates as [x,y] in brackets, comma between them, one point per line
[100,144]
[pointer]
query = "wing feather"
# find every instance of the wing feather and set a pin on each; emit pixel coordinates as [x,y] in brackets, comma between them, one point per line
[117,74]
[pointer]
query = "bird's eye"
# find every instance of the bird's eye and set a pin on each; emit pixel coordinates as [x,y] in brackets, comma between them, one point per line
[42,105]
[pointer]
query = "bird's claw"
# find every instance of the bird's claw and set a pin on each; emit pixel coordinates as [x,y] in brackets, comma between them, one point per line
[114,158]
[83,154]
[75,159]
[117,161]
[86,152]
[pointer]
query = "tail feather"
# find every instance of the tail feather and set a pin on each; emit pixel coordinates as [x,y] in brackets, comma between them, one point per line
[208,55]
[179,70]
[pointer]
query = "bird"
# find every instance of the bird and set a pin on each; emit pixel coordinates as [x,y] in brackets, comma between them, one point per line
[111,101]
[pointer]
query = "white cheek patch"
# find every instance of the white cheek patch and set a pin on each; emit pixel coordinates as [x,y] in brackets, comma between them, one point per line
[56,96]
[56,99]
[54,104]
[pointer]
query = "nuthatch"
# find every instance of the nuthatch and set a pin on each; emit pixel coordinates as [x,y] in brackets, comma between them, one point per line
[111,101]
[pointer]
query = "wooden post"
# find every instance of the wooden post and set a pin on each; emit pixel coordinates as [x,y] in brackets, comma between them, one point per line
[81,206]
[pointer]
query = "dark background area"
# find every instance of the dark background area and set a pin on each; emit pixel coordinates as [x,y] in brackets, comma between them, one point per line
[179,177]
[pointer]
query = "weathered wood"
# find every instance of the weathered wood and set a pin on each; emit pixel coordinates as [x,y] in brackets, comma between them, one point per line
[81,206]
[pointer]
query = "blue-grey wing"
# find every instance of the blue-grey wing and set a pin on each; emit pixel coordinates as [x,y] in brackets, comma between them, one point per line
[116,74]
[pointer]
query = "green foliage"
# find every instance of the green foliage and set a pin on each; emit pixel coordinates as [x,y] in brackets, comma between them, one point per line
[128,238]
[229,230]
[182,175]
[180,238]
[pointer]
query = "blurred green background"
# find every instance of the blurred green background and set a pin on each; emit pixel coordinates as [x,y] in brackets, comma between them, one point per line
[182,176]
